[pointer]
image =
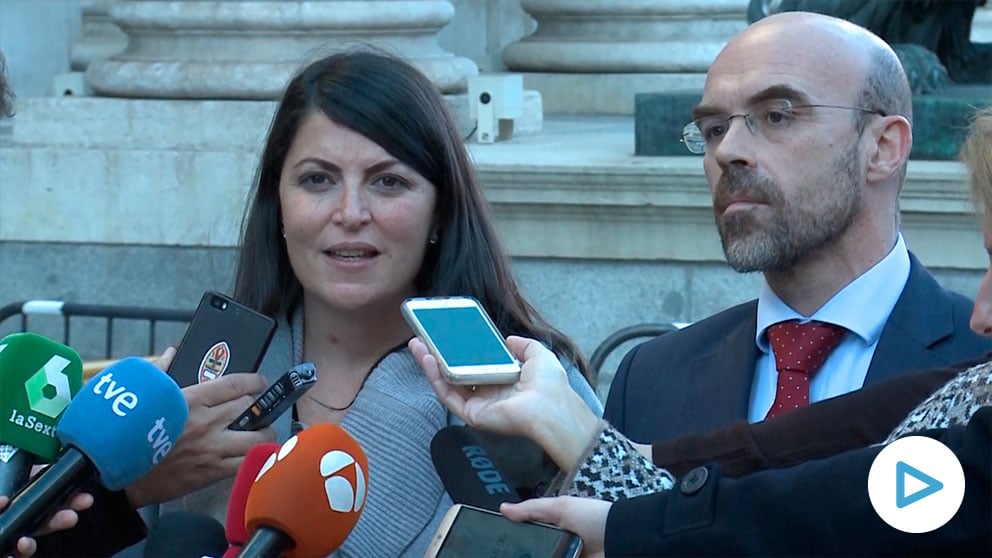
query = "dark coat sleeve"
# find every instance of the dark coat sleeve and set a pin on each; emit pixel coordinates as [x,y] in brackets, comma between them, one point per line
[854,420]
[818,508]
[109,526]
[613,412]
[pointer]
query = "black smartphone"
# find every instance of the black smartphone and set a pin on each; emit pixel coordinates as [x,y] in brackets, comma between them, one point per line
[224,336]
[467,532]
[277,398]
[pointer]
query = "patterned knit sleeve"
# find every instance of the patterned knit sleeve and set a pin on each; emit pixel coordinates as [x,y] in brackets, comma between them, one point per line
[611,468]
[951,405]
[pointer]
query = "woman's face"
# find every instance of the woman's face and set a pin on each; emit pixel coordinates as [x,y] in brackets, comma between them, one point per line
[356,219]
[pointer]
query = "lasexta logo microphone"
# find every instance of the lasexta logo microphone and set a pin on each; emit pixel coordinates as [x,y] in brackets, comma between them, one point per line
[38,378]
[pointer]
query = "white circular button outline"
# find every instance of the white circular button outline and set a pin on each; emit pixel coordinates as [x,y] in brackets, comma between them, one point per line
[917,455]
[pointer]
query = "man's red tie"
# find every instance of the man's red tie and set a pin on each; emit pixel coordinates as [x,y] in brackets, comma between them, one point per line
[800,350]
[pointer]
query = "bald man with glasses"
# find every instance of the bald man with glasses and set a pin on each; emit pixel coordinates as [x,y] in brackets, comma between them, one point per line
[805,127]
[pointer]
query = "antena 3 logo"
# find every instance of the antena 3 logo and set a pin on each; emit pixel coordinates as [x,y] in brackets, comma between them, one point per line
[336,467]
[344,479]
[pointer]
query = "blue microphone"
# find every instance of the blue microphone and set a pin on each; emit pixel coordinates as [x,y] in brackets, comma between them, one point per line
[122,423]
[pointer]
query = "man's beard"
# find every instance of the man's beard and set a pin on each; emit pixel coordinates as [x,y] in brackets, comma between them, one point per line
[814,218]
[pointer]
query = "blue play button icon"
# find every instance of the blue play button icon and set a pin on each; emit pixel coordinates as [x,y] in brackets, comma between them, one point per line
[931,485]
[894,485]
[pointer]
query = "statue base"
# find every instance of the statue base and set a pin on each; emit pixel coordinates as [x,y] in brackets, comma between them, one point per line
[940,121]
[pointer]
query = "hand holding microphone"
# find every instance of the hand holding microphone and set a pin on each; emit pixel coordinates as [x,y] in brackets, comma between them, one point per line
[207,451]
[541,405]
[65,518]
[308,496]
[122,424]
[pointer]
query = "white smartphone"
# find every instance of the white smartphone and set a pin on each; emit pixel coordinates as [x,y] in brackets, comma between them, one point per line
[461,336]
[469,532]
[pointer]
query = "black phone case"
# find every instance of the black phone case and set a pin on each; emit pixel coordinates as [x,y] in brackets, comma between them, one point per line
[224,337]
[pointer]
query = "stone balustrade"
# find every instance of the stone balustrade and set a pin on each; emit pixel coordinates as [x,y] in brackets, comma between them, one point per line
[100,39]
[227,49]
[592,56]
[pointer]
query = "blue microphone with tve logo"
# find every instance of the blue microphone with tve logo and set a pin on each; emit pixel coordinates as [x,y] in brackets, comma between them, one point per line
[122,423]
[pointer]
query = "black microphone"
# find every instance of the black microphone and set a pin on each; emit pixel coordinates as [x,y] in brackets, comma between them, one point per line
[185,534]
[468,473]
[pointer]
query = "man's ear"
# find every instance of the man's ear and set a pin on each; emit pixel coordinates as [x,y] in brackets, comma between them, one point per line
[893,141]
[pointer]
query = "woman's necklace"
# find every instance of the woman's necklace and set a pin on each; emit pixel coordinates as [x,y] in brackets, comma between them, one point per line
[350,403]
[365,379]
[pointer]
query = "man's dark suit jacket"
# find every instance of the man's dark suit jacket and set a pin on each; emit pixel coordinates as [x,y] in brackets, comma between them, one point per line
[818,508]
[699,379]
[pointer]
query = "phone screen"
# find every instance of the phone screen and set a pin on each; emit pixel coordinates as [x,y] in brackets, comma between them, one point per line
[479,533]
[463,336]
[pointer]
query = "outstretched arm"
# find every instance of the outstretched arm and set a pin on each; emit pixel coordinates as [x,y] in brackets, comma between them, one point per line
[541,405]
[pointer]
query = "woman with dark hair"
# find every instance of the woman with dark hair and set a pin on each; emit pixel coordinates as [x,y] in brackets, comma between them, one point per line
[390,103]
[365,196]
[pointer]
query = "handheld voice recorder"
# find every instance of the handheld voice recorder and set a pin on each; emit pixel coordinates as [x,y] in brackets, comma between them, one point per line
[280,396]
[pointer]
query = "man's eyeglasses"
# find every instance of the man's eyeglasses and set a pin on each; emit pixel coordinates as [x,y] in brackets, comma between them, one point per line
[769,119]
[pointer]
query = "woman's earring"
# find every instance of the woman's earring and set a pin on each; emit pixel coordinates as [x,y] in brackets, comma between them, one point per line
[284,233]
[433,238]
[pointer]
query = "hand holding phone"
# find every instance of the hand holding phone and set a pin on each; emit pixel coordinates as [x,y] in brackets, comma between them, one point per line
[279,397]
[224,336]
[462,337]
[467,532]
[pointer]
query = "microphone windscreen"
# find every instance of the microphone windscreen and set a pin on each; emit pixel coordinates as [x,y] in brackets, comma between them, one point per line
[313,490]
[234,524]
[125,420]
[185,534]
[468,474]
[38,378]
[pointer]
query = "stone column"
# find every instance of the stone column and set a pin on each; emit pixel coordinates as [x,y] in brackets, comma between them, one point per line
[230,49]
[981,25]
[100,39]
[591,56]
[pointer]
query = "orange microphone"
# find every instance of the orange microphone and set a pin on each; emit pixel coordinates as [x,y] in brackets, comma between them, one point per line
[308,496]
